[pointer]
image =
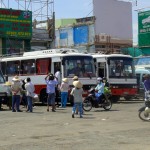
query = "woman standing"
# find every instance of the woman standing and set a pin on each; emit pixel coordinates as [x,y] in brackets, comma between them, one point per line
[77,92]
[64,92]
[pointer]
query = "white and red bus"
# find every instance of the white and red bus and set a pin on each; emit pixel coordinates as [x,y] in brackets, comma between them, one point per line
[120,73]
[37,64]
[3,91]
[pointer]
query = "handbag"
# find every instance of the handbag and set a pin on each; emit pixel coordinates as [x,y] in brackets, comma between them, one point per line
[35,97]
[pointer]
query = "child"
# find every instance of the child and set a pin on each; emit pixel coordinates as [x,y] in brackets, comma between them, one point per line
[9,94]
[77,92]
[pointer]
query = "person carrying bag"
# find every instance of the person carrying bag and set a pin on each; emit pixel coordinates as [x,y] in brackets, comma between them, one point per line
[30,92]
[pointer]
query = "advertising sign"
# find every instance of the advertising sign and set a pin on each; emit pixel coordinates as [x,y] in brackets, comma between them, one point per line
[15,23]
[144,28]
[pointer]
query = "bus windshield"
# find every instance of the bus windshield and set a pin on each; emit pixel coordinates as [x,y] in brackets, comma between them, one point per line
[1,78]
[81,66]
[120,67]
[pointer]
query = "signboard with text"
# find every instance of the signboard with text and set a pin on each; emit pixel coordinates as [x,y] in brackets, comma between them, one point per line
[15,23]
[144,29]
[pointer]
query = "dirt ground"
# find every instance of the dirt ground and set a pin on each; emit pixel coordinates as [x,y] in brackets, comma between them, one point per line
[118,129]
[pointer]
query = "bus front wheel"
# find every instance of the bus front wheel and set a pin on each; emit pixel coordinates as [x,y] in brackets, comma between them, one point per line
[128,98]
[43,96]
[115,98]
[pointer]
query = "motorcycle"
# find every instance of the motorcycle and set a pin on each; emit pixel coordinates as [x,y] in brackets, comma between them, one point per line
[144,111]
[91,101]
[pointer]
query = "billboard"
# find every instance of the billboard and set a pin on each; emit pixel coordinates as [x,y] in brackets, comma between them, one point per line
[15,23]
[144,29]
[113,18]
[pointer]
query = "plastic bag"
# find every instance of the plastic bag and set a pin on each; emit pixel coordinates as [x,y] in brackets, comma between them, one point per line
[35,97]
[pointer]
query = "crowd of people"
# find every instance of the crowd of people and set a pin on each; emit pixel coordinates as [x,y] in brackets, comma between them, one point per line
[17,91]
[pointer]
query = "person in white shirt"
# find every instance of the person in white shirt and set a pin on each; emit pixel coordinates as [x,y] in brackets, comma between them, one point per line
[58,76]
[64,92]
[30,92]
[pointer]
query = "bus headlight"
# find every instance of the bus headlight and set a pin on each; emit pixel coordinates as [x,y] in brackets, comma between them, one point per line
[134,87]
[114,87]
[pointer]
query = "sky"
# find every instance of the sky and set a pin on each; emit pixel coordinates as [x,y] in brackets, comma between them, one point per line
[76,9]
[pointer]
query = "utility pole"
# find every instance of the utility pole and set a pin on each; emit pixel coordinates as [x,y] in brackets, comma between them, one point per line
[53,30]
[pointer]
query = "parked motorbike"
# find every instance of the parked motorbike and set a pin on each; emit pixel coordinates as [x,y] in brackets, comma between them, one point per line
[90,101]
[144,111]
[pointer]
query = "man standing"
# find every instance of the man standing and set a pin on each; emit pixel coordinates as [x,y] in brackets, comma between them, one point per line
[30,92]
[51,84]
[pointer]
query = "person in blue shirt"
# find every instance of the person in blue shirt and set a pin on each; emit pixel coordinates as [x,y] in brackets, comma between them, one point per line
[146,85]
[99,89]
[51,84]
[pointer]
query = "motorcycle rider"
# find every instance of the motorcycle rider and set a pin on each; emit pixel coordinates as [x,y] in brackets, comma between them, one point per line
[106,83]
[146,85]
[147,92]
[106,88]
[99,89]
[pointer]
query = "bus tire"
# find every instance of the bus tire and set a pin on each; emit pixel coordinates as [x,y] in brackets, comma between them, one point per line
[128,98]
[115,99]
[43,96]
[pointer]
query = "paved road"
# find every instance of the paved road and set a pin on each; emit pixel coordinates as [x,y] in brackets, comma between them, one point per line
[118,129]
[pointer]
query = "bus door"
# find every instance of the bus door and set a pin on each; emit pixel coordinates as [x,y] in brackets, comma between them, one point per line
[56,66]
[101,69]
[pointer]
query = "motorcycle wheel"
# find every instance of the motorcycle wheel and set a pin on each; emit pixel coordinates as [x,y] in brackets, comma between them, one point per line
[87,105]
[143,117]
[107,105]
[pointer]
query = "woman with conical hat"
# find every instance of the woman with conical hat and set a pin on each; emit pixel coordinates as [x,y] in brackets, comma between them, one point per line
[64,87]
[16,94]
[77,92]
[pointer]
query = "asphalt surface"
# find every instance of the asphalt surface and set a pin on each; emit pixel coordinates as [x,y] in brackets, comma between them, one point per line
[118,129]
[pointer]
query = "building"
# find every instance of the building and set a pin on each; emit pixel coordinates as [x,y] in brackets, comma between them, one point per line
[113,25]
[108,31]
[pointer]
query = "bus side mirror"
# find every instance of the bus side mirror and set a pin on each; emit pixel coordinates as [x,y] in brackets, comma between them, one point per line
[6,77]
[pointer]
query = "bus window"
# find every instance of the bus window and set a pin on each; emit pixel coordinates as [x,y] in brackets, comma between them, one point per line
[13,67]
[79,66]
[121,67]
[3,67]
[43,66]
[28,66]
